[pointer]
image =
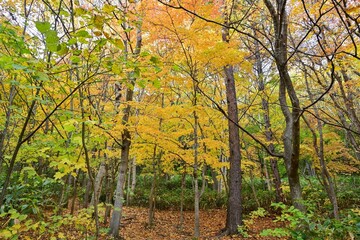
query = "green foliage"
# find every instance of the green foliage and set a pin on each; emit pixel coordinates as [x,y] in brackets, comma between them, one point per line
[54,226]
[313,225]
[264,196]
[242,230]
[260,212]
[168,194]
[30,193]
[347,194]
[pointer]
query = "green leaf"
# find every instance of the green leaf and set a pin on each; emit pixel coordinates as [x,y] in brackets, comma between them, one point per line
[116,68]
[176,68]
[108,8]
[99,21]
[118,43]
[144,54]
[83,33]
[52,40]
[142,83]
[62,49]
[59,175]
[154,60]
[75,59]
[6,234]
[43,27]
[77,52]
[18,66]
[157,83]
[42,76]
[72,41]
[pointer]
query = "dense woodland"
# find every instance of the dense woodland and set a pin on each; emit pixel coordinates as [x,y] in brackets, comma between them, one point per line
[230,115]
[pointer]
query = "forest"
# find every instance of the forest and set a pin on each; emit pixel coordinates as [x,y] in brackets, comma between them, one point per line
[180,119]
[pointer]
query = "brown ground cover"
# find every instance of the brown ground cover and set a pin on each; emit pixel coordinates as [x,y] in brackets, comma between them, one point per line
[167,225]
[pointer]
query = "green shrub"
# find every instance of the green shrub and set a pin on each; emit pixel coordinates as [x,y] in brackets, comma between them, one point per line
[313,225]
[31,193]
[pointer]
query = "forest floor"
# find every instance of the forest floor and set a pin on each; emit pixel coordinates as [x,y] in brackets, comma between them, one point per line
[166,225]
[134,226]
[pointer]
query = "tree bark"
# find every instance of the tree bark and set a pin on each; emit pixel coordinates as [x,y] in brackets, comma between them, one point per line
[319,149]
[291,134]
[125,148]
[98,184]
[152,195]
[126,140]
[234,205]
[195,176]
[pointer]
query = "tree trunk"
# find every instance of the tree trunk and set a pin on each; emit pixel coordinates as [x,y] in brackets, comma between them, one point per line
[319,149]
[17,148]
[126,141]
[291,135]
[196,166]
[183,178]
[98,184]
[234,205]
[133,178]
[119,192]
[74,192]
[108,194]
[4,132]
[253,188]
[87,185]
[152,195]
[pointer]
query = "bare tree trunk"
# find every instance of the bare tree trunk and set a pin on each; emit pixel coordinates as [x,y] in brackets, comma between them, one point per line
[319,149]
[195,175]
[291,135]
[4,132]
[98,184]
[133,177]
[87,184]
[87,159]
[183,177]
[119,192]
[265,173]
[234,211]
[109,194]
[234,205]
[126,141]
[74,192]
[253,188]
[152,195]
[17,148]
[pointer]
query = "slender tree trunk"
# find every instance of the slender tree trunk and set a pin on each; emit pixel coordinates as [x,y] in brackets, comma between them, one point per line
[128,179]
[108,194]
[234,210]
[291,135]
[195,176]
[126,141]
[87,158]
[253,188]
[152,195]
[74,193]
[62,194]
[234,205]
[133,177]
[17,149]
[119,192]
[98,184]
[319,149]
[87,185]
[4,132]
[265,173]
[183,177]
